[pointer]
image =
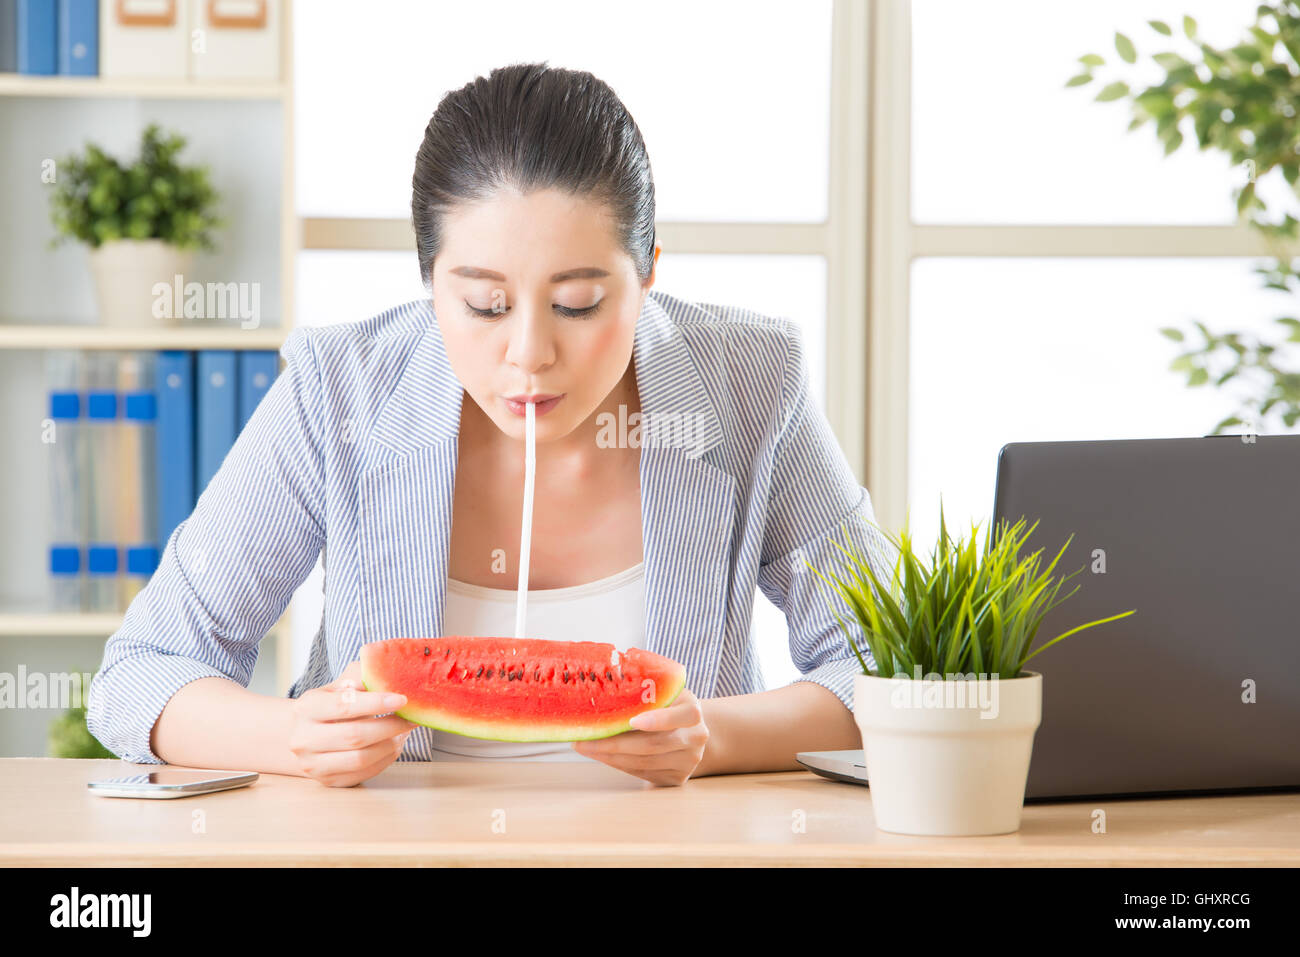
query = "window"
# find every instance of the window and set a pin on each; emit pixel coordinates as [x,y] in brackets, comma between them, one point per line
[732,98]
[740,104]
[1024,350]
[1043,248]
[996,137]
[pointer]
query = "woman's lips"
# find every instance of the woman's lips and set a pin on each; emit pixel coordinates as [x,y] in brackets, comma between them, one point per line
[519,408]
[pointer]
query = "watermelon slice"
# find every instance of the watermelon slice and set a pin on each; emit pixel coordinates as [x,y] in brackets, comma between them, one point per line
[506,689]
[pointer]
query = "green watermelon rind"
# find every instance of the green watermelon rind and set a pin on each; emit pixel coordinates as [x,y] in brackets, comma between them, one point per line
[525,730]
[529,733]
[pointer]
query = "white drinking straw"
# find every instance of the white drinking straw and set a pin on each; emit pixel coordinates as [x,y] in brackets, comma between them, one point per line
[526,530]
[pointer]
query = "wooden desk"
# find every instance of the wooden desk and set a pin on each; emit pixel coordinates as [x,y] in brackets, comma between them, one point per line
[589,814]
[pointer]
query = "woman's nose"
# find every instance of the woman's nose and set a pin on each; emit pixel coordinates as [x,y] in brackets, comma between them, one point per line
[532,339]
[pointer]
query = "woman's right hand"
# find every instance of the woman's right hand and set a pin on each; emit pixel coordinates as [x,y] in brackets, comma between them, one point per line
[336,736]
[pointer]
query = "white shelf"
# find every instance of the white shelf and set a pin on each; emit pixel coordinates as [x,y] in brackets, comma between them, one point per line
[78,624]
[60,624]
[88,336]
[15,84]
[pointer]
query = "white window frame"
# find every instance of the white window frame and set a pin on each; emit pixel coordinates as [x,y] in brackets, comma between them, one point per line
[896,241]
[841,239]
[869,242]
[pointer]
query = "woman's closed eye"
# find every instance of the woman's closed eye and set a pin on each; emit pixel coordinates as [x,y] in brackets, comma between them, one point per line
[566,311]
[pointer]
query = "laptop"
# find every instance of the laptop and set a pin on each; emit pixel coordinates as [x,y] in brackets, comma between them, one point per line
[1199,690]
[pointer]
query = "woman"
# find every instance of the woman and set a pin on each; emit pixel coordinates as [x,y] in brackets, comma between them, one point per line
[533,208]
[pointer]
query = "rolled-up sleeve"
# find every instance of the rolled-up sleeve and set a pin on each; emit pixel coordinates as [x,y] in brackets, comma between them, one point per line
[816,500]
[228,571]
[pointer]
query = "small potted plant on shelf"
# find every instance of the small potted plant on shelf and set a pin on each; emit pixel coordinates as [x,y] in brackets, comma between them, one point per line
[143,224]
[946,709]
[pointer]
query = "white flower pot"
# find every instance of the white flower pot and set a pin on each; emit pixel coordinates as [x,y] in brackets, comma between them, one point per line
[126,272]
[947,760]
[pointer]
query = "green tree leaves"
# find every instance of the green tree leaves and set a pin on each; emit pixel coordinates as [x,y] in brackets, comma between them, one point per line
[1124,46]
[1243,101]
[1113,91]
[1247,359]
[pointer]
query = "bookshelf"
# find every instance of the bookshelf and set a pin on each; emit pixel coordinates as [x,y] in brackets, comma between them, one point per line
[43,624]
[87,336]
[13,84]
[244,133]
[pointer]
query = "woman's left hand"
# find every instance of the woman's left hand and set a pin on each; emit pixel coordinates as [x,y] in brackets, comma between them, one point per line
[666,747]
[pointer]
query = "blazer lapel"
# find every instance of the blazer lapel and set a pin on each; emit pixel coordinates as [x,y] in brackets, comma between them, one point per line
[408,476]
[687,502]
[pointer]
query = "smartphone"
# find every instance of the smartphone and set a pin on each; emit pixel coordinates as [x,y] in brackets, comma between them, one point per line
[172,783]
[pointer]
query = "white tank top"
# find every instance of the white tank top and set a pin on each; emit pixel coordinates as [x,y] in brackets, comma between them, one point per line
[610,609]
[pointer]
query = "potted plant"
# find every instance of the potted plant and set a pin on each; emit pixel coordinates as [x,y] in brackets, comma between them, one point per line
[946,709]
[142,222]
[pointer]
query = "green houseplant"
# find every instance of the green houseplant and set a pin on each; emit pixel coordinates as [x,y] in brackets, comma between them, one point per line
[948,713]
[142,222]
[1243,101]
[68,736]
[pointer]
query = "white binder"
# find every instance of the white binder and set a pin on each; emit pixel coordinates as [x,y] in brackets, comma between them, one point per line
[235,40]
[143,38]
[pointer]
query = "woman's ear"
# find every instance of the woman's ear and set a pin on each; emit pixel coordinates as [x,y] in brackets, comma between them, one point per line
[654,263]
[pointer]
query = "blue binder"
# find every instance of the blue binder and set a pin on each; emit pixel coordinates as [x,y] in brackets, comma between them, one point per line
[65,484]
[102,551]
[218,411]
[257,370]
[79,37]
[141,412]
[38,37]
[175,472]
[8,36]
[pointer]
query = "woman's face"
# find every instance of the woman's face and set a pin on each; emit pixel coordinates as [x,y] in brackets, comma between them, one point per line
[535,297]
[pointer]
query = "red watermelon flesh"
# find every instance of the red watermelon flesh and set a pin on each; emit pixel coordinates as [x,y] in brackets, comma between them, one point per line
[507,689]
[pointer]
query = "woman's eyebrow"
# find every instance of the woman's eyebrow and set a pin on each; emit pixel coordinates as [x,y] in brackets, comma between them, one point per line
[585,272]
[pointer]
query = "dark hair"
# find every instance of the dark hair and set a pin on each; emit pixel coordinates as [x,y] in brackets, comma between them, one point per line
[532,126]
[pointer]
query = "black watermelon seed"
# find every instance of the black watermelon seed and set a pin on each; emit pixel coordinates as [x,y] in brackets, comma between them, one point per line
[537,674]
[426,649]
[489,674]
[608,676]
[566,676]
[593,675]
[480,672]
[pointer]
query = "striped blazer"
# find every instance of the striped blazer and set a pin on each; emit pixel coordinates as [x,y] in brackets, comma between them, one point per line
[352,454]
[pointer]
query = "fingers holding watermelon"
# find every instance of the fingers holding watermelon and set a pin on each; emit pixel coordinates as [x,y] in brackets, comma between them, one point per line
[342,735]
[665,747]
